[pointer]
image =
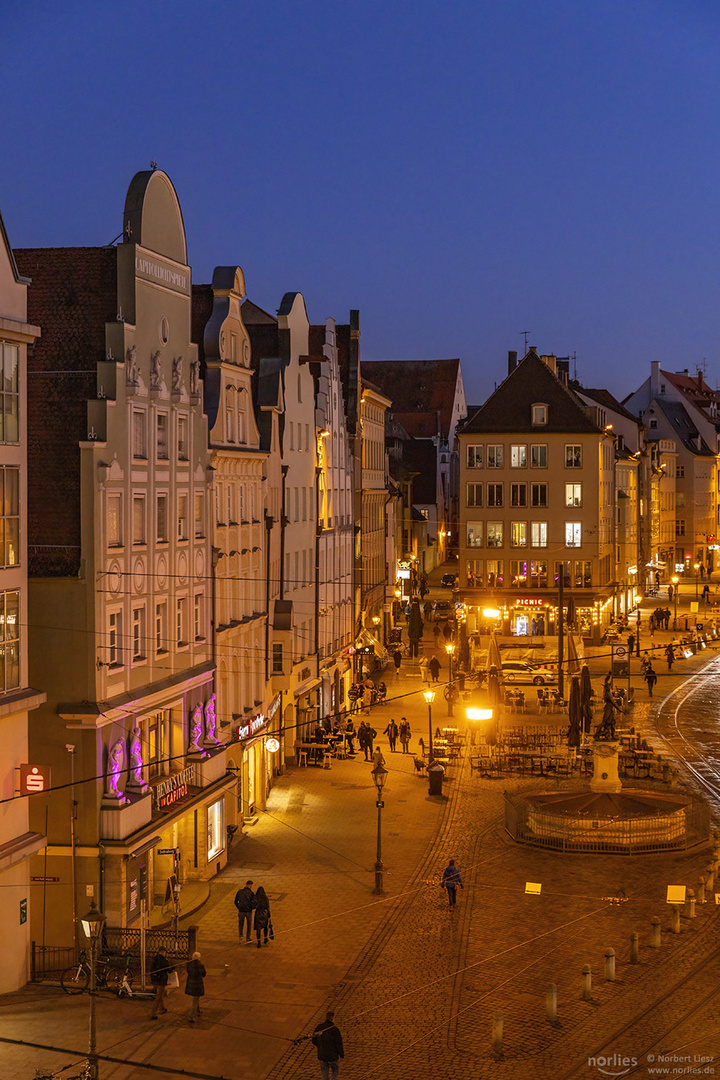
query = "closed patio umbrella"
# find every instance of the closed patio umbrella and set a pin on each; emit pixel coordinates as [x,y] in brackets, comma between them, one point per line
[570,616]
[573,662]
[574,712]
[493,659]
[586,693]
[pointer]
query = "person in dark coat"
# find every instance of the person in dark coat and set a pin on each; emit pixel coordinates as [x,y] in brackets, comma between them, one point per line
[262,914]
[405,734]
[195,985]
[244,904]
[434,665]
[392,732]
[670,654]
[450,881]
[161,968]
[328,1040]
[397,661]
[650,678]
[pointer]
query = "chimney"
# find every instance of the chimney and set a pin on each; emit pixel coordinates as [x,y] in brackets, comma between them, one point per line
[551,362]
[563,370]
[532,348]
[654,379]
[512,361]
[700,380]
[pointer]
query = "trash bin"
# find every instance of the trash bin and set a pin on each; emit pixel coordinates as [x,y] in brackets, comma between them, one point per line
[435,776]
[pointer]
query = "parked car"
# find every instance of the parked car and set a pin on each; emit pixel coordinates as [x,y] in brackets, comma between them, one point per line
[519,671]
[442,609]
[447,581]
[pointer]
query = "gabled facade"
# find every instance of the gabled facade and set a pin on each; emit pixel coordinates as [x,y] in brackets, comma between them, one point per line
[120,595]
[536,501]
[18,841]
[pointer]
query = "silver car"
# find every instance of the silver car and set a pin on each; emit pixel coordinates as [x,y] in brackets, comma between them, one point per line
[519,671]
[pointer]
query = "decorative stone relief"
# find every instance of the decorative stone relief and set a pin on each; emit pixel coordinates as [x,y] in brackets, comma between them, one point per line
[155,372]
[195,378]
[177,366]
[132,375]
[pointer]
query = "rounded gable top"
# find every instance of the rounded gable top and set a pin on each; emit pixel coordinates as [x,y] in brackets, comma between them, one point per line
[153,217]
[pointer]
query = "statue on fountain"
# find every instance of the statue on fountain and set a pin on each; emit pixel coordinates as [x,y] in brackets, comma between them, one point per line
[605,731]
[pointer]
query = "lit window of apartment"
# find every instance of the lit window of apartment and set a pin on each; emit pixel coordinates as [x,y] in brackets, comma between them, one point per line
[474,534]
[182,520]
[538,456]
[139,536]
[139,434]
[474,457]
[161,634]
[9,393]
[495,457]
[573,456]
[161,525]
[573,534]
[518,534]
[183,448]
[494,495]
[494,534]
[138,633]
[161,436]
[573,494]
[10,495]
[518,457]
[115,639]
[10,638]
[474,495]
[538,534]
[538,495]
[518,494]
[114,521]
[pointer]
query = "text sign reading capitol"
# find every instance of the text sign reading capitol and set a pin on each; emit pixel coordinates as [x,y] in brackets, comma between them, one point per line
[174,787]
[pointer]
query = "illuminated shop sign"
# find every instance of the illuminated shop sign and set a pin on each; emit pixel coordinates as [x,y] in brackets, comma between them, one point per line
[244,730]
[274,706]
[174,787]
[529,601]
[34,778]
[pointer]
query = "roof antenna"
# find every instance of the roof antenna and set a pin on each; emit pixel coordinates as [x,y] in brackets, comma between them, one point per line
[574,360]
[526,334]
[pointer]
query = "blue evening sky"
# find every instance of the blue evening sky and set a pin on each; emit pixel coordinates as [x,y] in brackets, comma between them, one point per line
[458,171]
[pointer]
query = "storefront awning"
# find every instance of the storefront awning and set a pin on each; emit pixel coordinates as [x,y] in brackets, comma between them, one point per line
[366,638]
[307,686]
[146,847]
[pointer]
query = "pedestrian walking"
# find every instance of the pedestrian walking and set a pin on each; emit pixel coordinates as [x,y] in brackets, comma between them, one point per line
[378,758]
[427,610]
[425,670]
[631,643]
[657,579]
[350,734]
[405,734]
[670,593]
[447,631]
[244,903]
[450,881]
[434,667]
[195,984]
[397,661]
[436,634]
[262,915]
[670,654]
[327,1039]
[159,974]
[363,737]
[650,678]
[392,731]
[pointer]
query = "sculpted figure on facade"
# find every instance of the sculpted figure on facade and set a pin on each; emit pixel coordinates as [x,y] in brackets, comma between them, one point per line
[196,730]
[136,781]
[132,376]
[210,721]
[195,377]
[116,761]
[177,374]
[155,372]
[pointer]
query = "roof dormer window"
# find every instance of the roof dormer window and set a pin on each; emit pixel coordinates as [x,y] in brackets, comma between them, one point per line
[539,415]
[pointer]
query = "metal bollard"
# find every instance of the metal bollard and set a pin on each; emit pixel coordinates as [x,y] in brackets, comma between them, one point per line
[690,903]
[551,1003]
[701,889]
[497,1033]
[587,983]
[655,936]
[610,965]
[634,948]
[710,871]
[676,919]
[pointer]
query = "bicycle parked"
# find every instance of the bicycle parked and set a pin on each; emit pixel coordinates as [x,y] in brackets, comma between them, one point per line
[114,973]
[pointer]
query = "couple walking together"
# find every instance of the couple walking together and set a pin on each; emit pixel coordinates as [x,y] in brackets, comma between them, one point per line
[247,902]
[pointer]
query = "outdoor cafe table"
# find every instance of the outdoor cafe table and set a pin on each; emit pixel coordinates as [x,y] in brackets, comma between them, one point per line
[545,761]
[315,752]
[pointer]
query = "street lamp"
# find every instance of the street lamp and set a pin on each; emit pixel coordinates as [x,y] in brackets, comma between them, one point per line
[675,581]
[697,571]
[429,696]
[92,925]
[450,649]
[379,775]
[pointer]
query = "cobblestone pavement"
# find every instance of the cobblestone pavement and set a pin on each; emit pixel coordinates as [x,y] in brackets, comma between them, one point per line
[414,985]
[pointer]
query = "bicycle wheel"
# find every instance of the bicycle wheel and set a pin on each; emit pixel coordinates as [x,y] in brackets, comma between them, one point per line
[75,979]
[116,977]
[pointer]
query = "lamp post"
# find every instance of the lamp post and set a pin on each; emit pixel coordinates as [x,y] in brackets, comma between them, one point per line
[379,775]
[429,696]
[92,925]
[675,581]
[450,649]
[697,579]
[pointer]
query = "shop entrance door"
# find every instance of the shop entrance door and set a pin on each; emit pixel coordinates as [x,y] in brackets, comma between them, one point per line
[522,625]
